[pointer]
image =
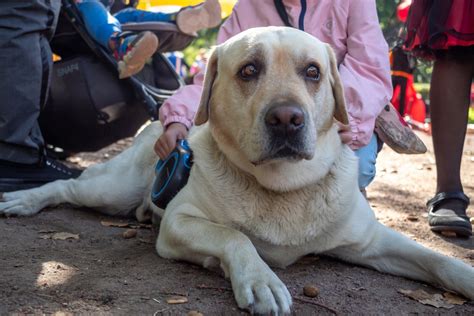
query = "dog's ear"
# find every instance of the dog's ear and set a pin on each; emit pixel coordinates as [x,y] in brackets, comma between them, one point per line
[202,114]
[340,112]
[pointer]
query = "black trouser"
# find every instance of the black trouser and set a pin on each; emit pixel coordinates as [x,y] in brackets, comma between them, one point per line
[25,68]
[402,82]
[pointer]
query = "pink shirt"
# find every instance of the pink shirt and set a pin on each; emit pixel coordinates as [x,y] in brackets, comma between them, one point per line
[351,27]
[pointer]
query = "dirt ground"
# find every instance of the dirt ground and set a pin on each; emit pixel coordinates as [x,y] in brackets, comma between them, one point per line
[101,272]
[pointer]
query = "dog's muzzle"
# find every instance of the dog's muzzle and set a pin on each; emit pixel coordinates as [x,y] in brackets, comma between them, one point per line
[285,128]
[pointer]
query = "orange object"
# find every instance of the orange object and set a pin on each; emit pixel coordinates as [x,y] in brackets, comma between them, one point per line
[418,109]
[415,107]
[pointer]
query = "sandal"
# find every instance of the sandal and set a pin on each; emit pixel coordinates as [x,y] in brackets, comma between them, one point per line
[443,219]
[392,129]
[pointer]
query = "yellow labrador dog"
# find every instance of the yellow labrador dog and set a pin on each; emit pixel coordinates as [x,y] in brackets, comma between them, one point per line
[271,180]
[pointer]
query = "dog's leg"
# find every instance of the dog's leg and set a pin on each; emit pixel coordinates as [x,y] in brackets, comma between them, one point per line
[29,202]
[107,193]
[385,250]
[115,187]
[186,234]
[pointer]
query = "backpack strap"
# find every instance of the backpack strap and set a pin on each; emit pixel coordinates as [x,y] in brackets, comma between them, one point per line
[282,12]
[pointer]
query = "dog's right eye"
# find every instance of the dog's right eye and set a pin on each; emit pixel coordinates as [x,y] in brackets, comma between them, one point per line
[248,72]
[312,73]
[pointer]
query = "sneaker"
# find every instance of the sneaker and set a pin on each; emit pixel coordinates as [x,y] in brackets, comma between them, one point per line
[15,176]
[203,16]
[132,51]
[392,129]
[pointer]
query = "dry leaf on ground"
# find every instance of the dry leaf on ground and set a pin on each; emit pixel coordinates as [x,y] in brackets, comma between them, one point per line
[436,300]
[452,298]
[141,225]
[60,236]
[146,241]
[177,300]
[129,233]
[114,224]
[125,225]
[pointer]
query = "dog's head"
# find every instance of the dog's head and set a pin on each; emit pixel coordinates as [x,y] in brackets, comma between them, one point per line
[269,93]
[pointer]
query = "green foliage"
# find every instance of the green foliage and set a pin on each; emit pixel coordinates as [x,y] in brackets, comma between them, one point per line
[423,71]
[389,23]
[423,89]
[206,39]
[471,115]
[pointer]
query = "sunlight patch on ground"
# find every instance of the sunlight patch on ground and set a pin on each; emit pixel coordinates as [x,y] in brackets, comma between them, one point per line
[54,273]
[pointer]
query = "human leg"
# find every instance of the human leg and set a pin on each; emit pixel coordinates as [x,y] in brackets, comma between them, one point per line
[449,100]
[403,96]
[131,51]
[399,81]
[132,15]
[100,24]
[24,69]
[189,19]
[367,158]
[25,66]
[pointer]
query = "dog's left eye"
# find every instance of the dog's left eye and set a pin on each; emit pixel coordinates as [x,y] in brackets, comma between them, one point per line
[312,72]
[248,72]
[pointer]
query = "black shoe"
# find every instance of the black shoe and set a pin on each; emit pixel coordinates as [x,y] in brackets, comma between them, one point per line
[15,176]
[449,219]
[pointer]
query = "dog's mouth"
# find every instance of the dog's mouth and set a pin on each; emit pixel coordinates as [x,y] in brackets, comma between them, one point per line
[286,151]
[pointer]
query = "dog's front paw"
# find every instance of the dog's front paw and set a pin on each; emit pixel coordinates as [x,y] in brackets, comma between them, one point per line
[260,291]
[16,203]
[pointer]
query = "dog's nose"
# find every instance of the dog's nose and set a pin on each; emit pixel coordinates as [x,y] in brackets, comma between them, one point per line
[285,119]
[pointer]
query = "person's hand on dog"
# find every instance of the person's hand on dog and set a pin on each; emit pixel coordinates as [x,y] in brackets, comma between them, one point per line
[345,132]
[167,141]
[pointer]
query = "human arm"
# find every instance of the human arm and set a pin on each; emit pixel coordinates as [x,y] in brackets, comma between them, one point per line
[365,71]
[167,141]
[177,112]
